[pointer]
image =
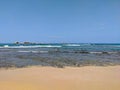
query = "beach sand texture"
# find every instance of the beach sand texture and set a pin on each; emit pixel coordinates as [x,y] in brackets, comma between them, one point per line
[69,78]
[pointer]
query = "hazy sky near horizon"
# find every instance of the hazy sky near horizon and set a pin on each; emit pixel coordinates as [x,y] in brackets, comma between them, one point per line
[79,21]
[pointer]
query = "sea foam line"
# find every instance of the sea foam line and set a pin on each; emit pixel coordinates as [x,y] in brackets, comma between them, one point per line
[74,45]
[35,46]
[33,51]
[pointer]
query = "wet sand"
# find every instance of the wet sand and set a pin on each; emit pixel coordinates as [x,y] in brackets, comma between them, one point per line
[69,78]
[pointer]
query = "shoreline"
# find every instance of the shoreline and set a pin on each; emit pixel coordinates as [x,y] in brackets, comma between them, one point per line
[40,66]
[68,78]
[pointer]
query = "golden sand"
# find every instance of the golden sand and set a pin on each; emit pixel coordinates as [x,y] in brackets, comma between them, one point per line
[49,78]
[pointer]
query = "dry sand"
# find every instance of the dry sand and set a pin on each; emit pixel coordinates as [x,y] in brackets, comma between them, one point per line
[49,78]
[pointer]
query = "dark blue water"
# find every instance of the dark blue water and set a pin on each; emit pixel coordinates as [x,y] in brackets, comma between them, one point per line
[59,55]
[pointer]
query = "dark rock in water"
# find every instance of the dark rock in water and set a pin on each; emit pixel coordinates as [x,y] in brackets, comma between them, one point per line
[26,43]
[118,52]
[17,42]
[105,52]
[84,52]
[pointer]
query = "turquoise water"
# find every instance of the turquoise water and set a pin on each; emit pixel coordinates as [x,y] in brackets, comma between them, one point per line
[59,54]
[88,47]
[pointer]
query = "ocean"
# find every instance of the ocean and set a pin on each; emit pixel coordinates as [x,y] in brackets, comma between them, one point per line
[59,54]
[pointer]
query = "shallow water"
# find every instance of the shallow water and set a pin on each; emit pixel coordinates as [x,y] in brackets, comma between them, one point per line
[59,55]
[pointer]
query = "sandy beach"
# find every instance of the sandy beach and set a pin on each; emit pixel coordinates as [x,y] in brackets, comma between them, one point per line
[69,78]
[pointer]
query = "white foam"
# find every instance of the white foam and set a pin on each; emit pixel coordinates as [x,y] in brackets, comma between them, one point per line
[24,51]
[72,45]
[33,51]
[50,46]
[6,46]
[102,52]
[43,51]
[34,46]
[95,52]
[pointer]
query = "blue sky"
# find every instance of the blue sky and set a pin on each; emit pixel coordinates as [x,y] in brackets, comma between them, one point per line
[79,21]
